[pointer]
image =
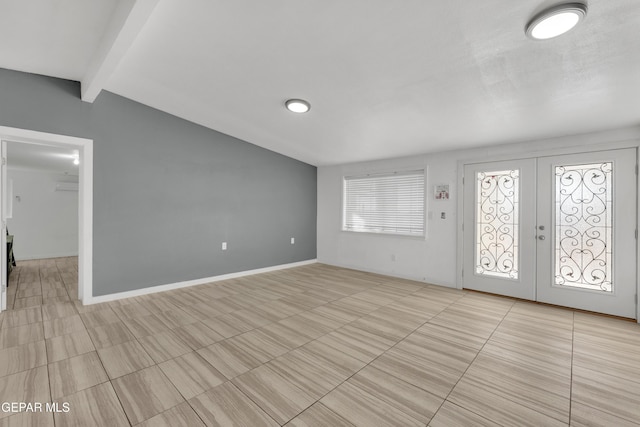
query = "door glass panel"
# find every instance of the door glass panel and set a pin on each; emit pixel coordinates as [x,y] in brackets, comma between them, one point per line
[497,198]
[584,226]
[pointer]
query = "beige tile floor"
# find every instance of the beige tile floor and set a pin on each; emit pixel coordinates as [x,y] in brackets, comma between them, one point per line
[310,346]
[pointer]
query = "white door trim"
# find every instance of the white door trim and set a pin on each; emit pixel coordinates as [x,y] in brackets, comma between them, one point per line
[85,197]
[567,149]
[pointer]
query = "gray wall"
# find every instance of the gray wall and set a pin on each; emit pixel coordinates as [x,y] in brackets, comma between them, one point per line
[167,192]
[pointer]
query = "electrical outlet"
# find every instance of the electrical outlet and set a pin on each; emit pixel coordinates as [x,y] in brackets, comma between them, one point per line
[224,246]
[293,240]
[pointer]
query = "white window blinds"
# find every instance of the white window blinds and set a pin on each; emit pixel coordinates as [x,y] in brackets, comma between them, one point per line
[390,203]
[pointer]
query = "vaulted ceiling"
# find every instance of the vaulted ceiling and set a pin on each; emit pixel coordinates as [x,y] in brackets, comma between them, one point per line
[384,78]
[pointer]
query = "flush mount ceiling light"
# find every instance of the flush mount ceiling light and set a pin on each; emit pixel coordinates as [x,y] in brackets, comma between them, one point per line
[556,20]
[297,105]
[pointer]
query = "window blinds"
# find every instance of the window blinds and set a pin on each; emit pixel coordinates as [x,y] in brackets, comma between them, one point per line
[390,203]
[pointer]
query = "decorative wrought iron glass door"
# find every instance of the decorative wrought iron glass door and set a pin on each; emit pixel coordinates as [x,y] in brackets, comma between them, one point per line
[557,229]
[499,247]
[587,247]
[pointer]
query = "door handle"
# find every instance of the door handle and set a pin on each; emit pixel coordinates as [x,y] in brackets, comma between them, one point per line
[541,227]
[541,237]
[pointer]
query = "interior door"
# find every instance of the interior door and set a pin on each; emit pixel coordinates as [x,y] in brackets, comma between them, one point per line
[586,231]
[499,228]
[557,229]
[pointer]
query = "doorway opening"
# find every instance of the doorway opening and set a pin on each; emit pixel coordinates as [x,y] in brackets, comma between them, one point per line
[74,147]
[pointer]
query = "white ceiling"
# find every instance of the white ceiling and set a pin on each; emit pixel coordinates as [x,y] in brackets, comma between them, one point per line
[384,78]
[52,37]
[41,157]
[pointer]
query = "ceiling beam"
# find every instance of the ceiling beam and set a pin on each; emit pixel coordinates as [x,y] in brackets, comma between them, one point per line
[124,26]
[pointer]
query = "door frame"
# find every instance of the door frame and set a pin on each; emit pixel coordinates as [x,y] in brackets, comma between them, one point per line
[495,155]
[85,197]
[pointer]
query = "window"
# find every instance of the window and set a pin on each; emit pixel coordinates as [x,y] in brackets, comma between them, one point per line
[497,223]
[584,226]
[386,203]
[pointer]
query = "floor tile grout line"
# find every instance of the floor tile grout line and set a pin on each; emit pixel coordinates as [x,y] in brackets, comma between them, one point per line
[466,409]
[18,288]
[66,289]
[573,343]
[295,348]
[75,308]
[479,351]
[37,265]
[192,408]
[385,351]
[252,401]
[168,328]
[230,380]
[109,380]
[317,402]
[315,339]
[184,308]
[41,290]
[45,343]
[391,302]
[178,390]
[471,363]
[14,294]
[367,364]
[120,318]
[262,326]
[46,354]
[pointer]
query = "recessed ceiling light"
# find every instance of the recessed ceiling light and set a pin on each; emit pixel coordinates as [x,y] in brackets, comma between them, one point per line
[298,105]
[556,20]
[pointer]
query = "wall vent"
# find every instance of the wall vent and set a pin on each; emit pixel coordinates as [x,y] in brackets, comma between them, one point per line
[67,186]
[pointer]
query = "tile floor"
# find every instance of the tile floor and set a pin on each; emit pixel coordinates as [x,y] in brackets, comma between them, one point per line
[310,346]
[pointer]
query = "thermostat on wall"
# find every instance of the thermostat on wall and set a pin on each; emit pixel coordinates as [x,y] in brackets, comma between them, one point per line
[441,192]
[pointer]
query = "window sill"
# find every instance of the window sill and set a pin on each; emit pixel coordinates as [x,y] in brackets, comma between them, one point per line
[401,236]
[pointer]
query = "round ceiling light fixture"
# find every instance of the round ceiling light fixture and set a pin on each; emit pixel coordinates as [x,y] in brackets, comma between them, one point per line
[556,20]
[297,105]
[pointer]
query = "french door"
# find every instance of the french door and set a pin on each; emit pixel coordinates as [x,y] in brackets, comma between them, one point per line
[557,229]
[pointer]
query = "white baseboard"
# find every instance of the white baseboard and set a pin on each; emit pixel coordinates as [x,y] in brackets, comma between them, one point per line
[391,274]
[46,256]
[179,285]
